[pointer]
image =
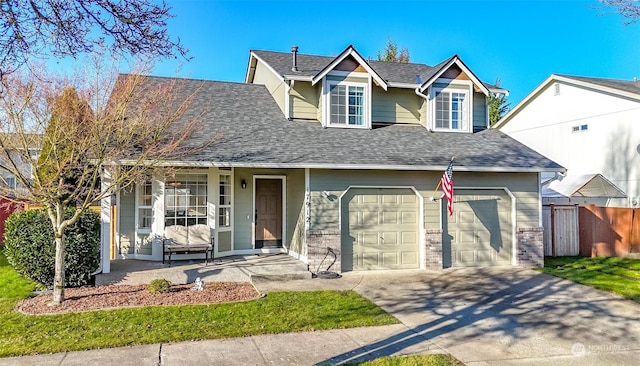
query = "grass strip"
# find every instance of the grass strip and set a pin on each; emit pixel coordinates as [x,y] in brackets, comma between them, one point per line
[613,274]
[414,360]
[279,312]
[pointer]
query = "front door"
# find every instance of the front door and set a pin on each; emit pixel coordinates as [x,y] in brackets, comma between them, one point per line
[268,213]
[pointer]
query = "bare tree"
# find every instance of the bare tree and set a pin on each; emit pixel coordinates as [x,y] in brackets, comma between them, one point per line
[61,133]
[30,28]
[629,9]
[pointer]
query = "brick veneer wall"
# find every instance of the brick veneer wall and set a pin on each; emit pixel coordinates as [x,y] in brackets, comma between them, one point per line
[530,249]
[433,253]
[317,243]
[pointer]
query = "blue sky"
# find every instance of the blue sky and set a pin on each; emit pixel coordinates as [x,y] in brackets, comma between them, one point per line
[519,42]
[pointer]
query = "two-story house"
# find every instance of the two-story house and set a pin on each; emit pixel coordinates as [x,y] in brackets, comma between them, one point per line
[316,152]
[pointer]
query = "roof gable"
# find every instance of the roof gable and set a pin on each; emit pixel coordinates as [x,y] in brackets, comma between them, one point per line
[346,60]
[453,68]
[621,88]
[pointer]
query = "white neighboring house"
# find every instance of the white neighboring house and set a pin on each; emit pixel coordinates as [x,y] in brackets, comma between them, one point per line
[589,126]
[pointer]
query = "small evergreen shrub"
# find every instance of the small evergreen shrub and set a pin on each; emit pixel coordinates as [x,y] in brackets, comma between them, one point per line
[30,247]
[159,286]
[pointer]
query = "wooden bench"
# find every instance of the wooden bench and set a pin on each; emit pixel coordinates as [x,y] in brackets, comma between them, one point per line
[179,239]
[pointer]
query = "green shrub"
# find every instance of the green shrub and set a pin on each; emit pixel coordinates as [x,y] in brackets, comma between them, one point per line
[159,286]
[30,246]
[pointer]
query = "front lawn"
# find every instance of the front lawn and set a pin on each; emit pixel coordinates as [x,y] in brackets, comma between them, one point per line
[417,360]
[279,312]
[618,275]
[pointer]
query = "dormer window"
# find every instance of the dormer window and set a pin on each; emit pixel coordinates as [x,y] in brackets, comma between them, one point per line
[451,109]
[346,102]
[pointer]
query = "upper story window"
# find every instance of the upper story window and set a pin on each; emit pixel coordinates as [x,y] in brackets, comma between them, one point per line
[346,104]
[452,110]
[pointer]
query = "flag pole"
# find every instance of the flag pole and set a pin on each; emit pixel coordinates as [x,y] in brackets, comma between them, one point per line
[440,181]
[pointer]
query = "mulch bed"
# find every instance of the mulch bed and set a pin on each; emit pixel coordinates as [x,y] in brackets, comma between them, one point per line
[121,296]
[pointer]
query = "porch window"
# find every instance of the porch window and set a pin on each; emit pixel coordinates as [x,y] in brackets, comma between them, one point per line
[185,200]
[145,213]
[224,207]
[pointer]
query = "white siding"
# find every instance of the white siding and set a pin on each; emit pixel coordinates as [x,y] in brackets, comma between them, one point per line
[609,145]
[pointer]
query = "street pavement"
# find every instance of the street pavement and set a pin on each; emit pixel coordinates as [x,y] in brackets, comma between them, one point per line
[496,316]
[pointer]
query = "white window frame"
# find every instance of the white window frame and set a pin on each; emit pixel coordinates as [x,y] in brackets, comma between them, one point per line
[229,206]
[366,98]
[142,233]
[186,217]
[468,102]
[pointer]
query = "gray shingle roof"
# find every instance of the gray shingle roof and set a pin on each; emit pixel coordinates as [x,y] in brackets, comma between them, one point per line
[623,85]
[310,65]
[248,128]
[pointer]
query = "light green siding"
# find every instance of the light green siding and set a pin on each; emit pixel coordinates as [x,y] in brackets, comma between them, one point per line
[479,111]
[396,106]
[275,86]
[127,211]
[243,206]
[304,100]
[325,212]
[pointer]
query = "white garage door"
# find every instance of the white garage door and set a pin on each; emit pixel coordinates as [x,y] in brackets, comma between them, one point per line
[380,229]
[480,231]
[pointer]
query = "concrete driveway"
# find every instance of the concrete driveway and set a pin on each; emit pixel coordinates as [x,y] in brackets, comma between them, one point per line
[481,316]
[507,317]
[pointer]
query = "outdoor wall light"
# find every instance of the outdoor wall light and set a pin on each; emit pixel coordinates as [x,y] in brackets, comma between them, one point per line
[326,194]
[243,184]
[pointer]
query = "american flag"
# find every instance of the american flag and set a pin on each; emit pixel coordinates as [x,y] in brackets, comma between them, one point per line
[447,186]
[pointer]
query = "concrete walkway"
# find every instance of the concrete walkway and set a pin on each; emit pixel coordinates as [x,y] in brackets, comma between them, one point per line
[481,316]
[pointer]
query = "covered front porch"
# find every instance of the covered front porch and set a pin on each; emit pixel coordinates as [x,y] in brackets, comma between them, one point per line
[249,211]
[237,268]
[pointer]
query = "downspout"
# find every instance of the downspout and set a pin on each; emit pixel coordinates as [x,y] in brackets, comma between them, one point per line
[426,98]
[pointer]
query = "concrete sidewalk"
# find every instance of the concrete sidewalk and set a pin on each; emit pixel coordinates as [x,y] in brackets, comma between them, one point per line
[306,348]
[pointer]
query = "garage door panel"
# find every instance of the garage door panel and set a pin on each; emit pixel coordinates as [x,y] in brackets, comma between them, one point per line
[390,218]
[486,256]
[481,232]
[466,218]
[390,259]
[385,224]
[409,217]
[368,238]
[409,258]
[389,237]
[409,238]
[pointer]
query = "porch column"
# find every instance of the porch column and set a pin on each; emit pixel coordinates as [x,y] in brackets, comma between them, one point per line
[105,224]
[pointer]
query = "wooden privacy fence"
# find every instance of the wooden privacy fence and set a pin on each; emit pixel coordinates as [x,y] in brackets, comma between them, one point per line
[590,231]
[609,231]
[561,235]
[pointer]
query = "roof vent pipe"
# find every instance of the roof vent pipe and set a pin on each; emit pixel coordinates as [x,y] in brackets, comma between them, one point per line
[294,50]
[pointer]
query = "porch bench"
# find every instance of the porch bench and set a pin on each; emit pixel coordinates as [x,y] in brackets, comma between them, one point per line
[179,239]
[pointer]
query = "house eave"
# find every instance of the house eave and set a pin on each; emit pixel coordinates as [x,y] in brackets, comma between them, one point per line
[210,164]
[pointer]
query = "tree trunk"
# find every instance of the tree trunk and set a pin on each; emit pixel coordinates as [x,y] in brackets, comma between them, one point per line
[58,278]
[56,214]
